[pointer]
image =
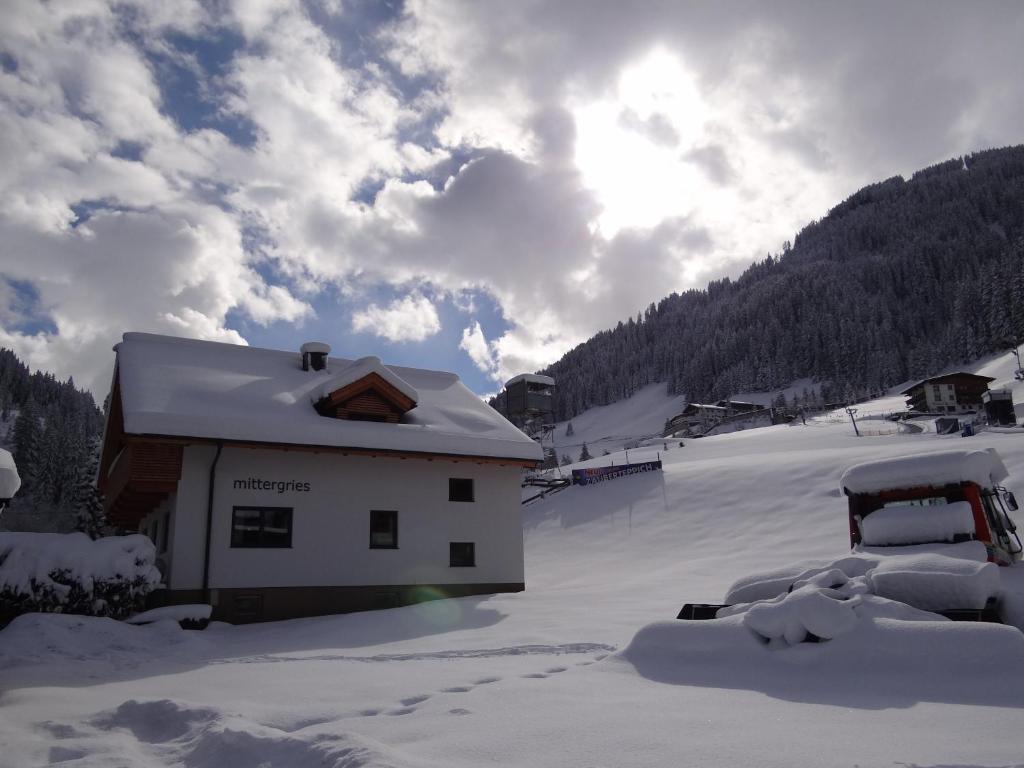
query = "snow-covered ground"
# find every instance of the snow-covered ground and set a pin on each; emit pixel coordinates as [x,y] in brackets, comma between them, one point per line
[585,668]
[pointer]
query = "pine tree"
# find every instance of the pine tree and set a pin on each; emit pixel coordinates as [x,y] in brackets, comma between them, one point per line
[90,517]
[569,431]
[566,460]
[585,454]
[28,435]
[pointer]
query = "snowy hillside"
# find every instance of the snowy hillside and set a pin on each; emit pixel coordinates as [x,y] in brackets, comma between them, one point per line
[610,427]
[587,667]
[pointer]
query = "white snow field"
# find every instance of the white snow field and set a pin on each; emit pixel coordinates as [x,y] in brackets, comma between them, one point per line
[588,667]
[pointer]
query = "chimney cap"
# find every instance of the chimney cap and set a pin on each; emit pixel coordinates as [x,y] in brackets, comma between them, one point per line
[315,348]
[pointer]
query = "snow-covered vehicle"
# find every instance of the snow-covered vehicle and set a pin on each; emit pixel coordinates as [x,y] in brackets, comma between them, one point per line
[929,531]
[945,497]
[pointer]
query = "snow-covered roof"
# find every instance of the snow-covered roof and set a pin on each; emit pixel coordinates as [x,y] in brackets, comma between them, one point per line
[533,378]
[9,480]
[203,389]
[925,469]
[362,367]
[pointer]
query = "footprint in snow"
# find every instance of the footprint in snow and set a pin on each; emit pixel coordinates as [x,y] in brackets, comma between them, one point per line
[458,711]
[60,730]
[457,689]
[536,676]
[402,711]
[486,680]
[63,755]
[369,713]
[555,670]
[415,700]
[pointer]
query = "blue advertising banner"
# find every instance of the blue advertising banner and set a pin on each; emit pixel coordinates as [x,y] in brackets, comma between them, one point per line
[601,474]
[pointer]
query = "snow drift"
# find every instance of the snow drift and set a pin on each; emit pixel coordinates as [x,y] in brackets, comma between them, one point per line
[71,573]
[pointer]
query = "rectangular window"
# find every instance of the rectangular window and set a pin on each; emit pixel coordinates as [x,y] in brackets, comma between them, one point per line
[261,527]
[462,554]
[460,489]
[383,529]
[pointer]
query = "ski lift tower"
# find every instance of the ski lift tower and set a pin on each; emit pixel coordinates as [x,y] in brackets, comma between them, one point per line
[530,402]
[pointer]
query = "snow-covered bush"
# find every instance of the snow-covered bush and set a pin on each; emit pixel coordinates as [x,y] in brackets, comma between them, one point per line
[71,573]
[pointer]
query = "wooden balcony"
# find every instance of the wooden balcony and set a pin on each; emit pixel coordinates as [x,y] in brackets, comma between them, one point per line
[143,475]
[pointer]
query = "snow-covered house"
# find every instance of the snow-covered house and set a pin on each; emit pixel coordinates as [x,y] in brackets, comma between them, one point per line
[950,393]
[279,484]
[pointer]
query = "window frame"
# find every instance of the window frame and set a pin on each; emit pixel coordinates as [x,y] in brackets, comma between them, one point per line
[394,528]
[455,482]
[451,554]
[235,544]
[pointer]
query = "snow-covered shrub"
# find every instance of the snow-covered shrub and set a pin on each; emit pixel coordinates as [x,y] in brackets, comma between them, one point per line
[71,573]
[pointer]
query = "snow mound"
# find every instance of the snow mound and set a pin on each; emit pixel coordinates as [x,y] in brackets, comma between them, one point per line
[824,606]
[70,571]
[768,584]
[879,657]
[912,523]
[10,482]
[85,641]
[191,612]
[28,559]
[827,601]
[181,733]
[935,582]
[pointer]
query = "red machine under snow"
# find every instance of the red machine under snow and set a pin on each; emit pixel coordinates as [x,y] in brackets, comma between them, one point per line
[909,504]
[949,496]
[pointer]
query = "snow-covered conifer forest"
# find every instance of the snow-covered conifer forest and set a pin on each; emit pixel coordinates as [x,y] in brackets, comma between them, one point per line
[900,280]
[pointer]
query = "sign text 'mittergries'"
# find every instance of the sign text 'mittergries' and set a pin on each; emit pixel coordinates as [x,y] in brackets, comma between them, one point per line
[259,484]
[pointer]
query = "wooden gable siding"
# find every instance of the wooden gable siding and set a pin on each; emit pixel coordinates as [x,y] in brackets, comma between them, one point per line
[371,398]
[372,381]
[113,431]
[368,405]
[143,475]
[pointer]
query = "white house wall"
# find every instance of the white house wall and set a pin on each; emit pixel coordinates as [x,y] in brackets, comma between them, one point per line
[331,521]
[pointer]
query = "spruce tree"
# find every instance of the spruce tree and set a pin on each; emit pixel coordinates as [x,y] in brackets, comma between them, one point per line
[585,454]
[90,517]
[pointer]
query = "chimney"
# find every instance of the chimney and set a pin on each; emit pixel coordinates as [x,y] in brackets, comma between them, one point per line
[314,355]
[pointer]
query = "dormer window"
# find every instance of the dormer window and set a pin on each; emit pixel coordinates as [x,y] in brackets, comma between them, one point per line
[367,391]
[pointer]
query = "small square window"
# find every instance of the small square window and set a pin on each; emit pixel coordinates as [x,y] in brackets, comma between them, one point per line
[460,489]
[261,527]
[383,529]
[462,554]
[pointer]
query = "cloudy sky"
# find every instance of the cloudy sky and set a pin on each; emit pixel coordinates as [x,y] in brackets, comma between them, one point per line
[473,186]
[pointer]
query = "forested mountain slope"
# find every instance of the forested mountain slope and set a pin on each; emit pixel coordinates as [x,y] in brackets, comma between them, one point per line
[896,282]
[52,428]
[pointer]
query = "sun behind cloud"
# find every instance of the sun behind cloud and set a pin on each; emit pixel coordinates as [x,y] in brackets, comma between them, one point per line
[630,146]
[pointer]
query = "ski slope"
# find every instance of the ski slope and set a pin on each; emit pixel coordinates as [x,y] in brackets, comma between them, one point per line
[585,668]
[610,427]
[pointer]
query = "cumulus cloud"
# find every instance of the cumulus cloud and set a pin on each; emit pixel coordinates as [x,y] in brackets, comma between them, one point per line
[480,351]
[411,318]
[575,160]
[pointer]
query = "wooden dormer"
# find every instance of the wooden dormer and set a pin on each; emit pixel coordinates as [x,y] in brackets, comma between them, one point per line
[369,398]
